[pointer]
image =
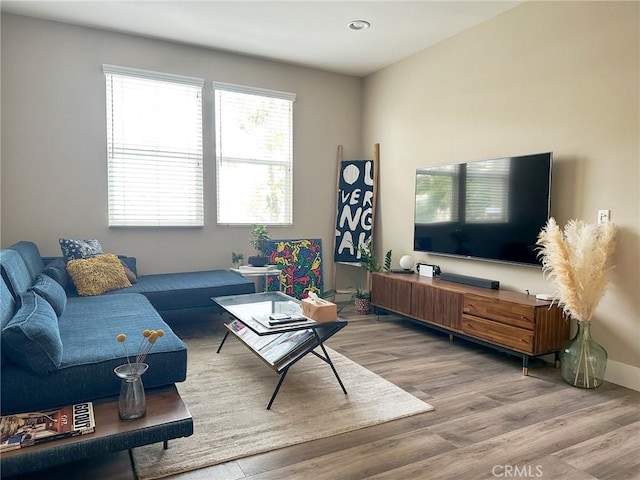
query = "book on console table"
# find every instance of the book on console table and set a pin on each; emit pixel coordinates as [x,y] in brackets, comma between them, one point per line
[27,429]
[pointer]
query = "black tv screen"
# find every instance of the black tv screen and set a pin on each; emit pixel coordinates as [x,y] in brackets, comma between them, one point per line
[488,210]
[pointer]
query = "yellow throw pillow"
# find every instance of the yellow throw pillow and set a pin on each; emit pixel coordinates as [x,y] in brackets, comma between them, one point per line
[97,275]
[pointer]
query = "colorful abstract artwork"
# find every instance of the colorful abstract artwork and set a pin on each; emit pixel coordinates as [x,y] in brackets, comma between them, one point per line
[300,264]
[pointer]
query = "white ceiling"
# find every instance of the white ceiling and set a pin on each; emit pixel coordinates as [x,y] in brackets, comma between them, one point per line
[307,33]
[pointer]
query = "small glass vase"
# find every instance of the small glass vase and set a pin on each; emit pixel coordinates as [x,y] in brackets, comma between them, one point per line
[132,403]
[583,361]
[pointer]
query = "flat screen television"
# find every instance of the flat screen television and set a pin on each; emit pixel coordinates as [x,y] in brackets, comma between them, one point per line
[488,210]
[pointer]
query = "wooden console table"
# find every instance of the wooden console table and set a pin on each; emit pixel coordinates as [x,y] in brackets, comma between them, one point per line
[510,321]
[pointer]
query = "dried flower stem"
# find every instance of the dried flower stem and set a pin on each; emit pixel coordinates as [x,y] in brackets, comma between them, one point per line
[149,338]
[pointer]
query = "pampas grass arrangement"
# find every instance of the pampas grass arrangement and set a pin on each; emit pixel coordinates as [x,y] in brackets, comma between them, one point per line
[577,262]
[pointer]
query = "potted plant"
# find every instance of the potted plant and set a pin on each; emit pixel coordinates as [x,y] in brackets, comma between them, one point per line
[236,259]
[369,262]
[577,262]
[362,301]
[259,238]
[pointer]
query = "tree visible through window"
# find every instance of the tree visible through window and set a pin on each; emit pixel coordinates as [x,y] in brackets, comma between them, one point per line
[154,148]
[254,155]
[437,194]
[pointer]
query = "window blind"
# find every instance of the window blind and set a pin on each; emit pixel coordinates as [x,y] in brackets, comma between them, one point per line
[254,155]
[154,148]
[487,196]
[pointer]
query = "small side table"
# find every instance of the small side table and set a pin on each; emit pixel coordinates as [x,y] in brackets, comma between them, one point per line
[261,272]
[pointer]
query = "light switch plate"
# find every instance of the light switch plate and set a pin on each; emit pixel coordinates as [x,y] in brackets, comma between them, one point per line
[603,216]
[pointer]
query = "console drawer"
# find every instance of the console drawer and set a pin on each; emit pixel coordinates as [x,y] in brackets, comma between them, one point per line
[519,339]
[515,314]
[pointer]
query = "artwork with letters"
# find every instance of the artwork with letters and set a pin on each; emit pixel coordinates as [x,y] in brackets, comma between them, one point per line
[354,218]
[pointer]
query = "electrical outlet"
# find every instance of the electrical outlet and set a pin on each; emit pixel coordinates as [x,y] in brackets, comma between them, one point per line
[603,216]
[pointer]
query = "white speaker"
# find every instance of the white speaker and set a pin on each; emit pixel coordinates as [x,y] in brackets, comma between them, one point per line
[406,262]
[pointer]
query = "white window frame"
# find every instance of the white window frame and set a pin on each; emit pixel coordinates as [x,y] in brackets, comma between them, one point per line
[155,179]
[235,203]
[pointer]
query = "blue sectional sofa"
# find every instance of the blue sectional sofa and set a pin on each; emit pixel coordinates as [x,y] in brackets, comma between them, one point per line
[58,350]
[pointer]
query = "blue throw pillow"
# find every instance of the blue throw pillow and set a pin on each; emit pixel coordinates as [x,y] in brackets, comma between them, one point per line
[31,338]
[75,248]
[51,291]
[130,262]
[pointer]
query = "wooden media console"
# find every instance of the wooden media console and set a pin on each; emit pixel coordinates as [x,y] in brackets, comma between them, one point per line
[510,321]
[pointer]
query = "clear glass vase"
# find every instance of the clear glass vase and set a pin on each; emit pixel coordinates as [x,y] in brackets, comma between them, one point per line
[583,361]
[132,403]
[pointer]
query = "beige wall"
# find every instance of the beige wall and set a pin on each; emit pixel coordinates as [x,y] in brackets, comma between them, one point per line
[544,76]
[54,142]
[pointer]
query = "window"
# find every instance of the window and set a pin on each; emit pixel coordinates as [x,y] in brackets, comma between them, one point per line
[254,155]
[154,148]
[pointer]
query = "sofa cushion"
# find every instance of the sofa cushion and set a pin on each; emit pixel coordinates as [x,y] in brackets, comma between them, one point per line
[31,256]
[88,359]
[7,304]
[132,277]
[51,291]
[97,275]
[57,269]
[74,248]
[15,272]
[32,338]
[7,308]
[189,290]
[130,262]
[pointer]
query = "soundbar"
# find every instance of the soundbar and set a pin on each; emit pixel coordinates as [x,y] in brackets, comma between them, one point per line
[403,270]
[475,281]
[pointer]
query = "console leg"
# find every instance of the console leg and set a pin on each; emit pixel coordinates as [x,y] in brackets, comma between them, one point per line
[451,337]
[557,360]
[165,444]
[525,365]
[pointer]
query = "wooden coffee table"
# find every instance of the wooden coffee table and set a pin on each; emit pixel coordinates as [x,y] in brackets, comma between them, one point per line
[167,418]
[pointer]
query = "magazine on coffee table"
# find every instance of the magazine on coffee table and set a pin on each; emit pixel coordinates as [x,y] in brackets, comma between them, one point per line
[253,339]
[285,344]
[26,429]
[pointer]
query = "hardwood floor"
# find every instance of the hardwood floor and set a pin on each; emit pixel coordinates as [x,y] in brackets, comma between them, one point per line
[490,421]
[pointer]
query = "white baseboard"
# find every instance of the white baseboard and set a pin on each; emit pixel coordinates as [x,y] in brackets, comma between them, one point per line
[623,374]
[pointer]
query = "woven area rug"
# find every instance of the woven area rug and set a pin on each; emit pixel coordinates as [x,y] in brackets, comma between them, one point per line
[227,394]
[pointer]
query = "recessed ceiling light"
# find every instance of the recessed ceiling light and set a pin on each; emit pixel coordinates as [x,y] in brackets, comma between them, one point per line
[358,25]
